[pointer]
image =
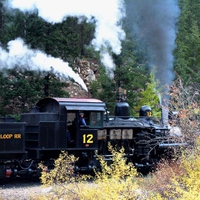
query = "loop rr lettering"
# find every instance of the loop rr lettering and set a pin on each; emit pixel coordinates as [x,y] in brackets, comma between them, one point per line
[10,136]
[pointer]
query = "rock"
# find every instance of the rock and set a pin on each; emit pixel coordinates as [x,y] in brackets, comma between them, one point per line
[88,71]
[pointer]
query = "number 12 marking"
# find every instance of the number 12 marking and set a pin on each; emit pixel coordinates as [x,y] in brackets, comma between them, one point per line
[88,138]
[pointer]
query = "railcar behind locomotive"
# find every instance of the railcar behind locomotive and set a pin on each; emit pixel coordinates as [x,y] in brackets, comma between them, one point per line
[54,125]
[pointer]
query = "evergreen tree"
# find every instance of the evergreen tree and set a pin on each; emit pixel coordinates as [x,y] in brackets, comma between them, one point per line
[65,40]
[105,89]
[130,74]
[150,97]
[187,63]
[20,91]
[131,71]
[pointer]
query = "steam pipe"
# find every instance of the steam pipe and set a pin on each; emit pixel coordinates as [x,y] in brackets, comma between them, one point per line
[172,145]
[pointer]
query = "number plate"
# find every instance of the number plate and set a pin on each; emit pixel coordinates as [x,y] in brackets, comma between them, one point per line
[88,138]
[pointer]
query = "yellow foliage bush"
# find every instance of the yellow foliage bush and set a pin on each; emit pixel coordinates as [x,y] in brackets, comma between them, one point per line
[115,181]
[179,180]
[188,185]
[118,169]
[63,170]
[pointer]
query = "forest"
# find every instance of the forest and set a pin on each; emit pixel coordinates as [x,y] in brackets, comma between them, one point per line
[147,52]
[150,46]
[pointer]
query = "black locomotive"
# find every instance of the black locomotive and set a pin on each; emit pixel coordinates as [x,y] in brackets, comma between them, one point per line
[54,125]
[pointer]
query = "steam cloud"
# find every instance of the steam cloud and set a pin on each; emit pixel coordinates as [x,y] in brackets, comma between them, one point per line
[106,15]
[19,54]
[152,21]
[154,24]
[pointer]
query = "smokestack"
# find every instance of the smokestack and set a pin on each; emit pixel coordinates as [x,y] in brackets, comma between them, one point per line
[165,111]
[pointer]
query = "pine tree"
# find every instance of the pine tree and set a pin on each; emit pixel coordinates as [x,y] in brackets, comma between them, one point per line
[150,97]
[20,91]
[187,55]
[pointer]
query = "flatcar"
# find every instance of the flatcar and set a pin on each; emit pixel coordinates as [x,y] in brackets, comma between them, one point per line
[54,125]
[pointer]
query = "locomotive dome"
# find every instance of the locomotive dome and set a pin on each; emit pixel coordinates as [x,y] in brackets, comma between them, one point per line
[144,110]
[122,109]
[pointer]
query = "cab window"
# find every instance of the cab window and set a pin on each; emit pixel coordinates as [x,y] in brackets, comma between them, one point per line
[96,119]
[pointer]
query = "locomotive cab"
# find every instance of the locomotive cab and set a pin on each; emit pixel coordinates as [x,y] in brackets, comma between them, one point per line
[50,122]
[83,135]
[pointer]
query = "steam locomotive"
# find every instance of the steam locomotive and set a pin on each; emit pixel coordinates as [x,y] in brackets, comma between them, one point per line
[44,132]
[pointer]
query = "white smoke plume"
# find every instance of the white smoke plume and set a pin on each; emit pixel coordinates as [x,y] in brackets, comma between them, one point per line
[19,54]
[107,15]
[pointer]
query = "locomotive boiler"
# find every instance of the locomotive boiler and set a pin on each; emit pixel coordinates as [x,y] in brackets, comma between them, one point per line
[53,125]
